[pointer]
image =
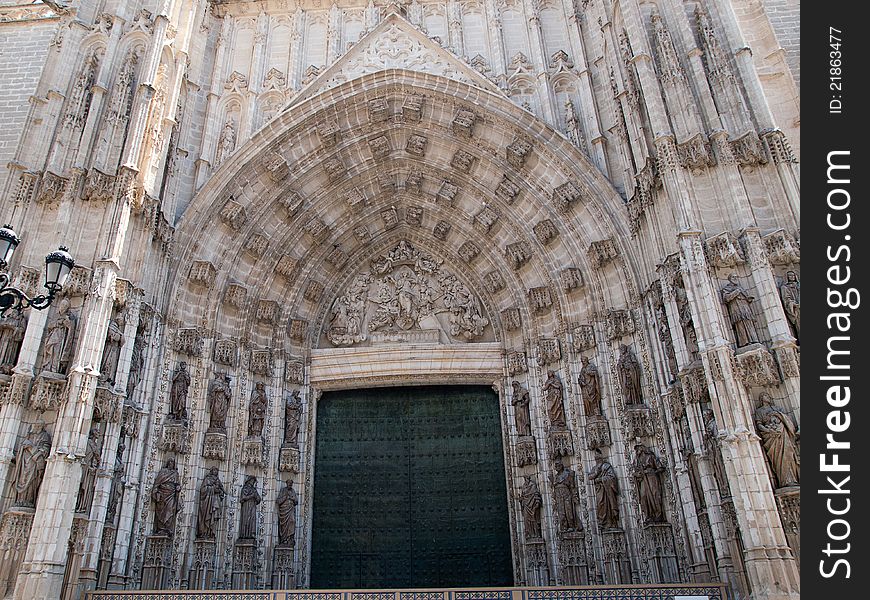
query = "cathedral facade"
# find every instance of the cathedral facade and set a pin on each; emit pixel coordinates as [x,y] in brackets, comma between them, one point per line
[542,254]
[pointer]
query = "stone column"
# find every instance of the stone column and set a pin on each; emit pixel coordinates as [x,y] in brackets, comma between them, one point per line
[113,421]
[589,109]
[42,571]
[758,101]
[12,407]
[778,327]
[769,562]
[540,62]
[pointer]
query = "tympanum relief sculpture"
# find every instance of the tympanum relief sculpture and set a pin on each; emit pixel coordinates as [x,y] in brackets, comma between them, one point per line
[406,295]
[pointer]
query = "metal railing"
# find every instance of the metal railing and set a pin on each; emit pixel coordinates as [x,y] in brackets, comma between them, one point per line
[705,591]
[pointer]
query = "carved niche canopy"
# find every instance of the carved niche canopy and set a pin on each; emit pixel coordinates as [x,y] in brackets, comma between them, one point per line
[406,295]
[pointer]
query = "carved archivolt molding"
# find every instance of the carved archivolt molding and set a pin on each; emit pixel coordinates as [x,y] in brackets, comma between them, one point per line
[323,236]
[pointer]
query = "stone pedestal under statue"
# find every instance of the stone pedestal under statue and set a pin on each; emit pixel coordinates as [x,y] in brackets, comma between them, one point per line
[202,568]
[660,551]
[288,460]
[245,564]
[283,576]
[14,534]
[252,452]
[527,453]
[572,559]
[215,445]
[617,564]
[559,443]
[537,565]
[157,566]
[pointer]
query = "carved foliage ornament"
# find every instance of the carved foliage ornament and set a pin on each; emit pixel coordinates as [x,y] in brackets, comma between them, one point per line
[723,250]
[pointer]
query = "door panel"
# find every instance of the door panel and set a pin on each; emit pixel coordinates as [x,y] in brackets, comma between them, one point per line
[409,489]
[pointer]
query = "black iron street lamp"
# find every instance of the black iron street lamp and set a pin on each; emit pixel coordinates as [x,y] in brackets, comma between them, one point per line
[58,265]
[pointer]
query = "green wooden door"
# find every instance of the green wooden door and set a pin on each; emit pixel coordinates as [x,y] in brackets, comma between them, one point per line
[409,489]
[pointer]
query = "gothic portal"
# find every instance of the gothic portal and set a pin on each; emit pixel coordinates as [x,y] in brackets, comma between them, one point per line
[547,253]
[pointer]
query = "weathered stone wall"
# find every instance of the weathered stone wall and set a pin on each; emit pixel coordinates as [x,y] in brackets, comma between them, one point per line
[24,44]
[297,196]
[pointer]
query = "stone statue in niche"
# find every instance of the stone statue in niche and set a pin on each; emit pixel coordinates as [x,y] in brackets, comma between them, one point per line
[248,501]
[112,349]
[554,395]
[116,491]
[737,301]
[12,327]
[712,440]
[286,506]
[522,416]
[405,291]
[292,419]
[166,498]
[779,437]
[219,395]
[211,505]
[665,335]
[565,497]
[30,461]
[629,376]
[137,363]
[648,471]
[57,349]
[686,320]
[590,387]
[790,293]
[257,410]
[531,503]
[226,142]
[178,393]
[90,465]
[603,477]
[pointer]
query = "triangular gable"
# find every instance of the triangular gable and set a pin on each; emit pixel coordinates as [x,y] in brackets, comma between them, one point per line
[394,44]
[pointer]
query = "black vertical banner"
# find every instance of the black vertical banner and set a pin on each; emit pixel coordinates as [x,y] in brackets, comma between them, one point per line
[835,437]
